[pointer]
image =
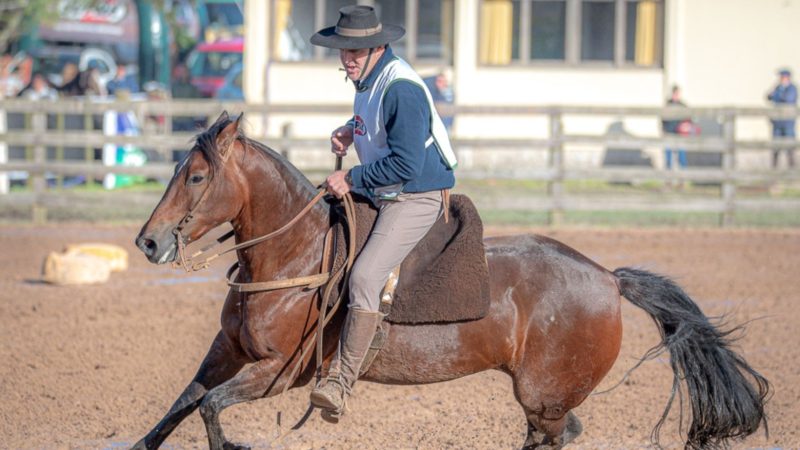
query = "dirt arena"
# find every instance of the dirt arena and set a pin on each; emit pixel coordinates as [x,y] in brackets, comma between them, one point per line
[98,366]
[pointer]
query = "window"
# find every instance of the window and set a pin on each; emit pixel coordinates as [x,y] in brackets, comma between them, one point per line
[392,11]
[428,24]
[643,32]
[548,28]
[618,32]
[597,30]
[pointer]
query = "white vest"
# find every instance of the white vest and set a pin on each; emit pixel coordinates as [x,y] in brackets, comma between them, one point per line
[369,133]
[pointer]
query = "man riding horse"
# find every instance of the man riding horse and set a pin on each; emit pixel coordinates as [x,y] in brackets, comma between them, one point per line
[406,165]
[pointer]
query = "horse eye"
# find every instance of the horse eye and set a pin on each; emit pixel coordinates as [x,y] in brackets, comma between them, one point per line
[196,179]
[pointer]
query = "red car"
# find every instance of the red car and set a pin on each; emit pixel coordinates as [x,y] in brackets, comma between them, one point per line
[211,61]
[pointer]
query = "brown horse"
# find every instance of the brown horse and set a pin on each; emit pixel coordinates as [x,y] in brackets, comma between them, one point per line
[554,324]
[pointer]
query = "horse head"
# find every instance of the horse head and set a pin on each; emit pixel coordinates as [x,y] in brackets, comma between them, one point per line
[204,192]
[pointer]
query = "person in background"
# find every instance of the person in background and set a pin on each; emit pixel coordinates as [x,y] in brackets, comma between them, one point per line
[784,94]
[69,80]
[441,92]
[181,86]
[90,81]
[77,83]
[10,83]
[122,82]
[39,89]
[676,127]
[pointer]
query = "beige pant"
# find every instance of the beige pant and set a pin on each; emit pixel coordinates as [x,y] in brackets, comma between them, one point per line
[401,224]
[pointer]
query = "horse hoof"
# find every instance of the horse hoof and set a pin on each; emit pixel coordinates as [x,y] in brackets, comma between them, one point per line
[572,430]
[232,446]
[139,445]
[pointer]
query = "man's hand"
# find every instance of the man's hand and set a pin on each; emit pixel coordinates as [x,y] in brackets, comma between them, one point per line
[337,185]
[341,138]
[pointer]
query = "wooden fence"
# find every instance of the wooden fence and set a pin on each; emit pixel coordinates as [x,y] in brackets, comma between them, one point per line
[37,135]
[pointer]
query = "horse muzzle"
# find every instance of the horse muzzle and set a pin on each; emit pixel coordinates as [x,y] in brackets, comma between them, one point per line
[159,250]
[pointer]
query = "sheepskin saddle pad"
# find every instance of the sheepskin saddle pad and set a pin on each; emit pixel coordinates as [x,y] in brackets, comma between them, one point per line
[445,278]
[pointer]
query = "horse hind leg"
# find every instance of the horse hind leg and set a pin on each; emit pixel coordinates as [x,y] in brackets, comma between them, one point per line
[551,422]
[551,434]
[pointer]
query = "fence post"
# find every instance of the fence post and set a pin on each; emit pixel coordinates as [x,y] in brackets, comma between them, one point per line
[39,127]
[4,183]
[88,151]
[728,168]
[286,135]
[60,126]
[555,186]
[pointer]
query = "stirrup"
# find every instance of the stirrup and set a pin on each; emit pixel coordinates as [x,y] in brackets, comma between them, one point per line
[331,416]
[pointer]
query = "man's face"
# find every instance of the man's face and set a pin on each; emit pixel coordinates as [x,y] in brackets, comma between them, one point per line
[785,80]
[354,62]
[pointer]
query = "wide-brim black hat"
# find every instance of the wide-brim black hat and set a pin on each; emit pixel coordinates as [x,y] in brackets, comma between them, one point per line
[358,27]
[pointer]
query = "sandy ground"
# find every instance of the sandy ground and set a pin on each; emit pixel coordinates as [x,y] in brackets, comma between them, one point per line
[97,366]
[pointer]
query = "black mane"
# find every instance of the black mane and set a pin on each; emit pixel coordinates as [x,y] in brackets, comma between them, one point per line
[206,144]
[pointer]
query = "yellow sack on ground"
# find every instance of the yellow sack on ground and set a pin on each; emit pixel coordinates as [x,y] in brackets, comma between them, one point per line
[116,256]
[75,268]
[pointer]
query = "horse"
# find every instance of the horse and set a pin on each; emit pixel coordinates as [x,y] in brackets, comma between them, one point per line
[554,322]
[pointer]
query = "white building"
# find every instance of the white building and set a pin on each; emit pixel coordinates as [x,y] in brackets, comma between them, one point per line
[537,53]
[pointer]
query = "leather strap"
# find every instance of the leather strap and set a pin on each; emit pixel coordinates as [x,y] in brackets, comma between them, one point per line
[189,265]
[308,281]
[446,204]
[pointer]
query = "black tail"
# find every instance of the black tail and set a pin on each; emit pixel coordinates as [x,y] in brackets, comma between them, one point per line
[725,403]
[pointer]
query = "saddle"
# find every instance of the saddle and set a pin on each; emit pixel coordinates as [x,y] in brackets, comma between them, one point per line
[444,279]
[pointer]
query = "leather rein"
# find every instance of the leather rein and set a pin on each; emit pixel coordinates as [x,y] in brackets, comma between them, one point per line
[309,282]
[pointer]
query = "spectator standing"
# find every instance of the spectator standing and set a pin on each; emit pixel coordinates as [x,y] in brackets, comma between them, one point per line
[785,93]
[182,88]
[441,92]
[675,127]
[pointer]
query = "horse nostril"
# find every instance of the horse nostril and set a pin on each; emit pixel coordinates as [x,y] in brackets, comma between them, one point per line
[147,246]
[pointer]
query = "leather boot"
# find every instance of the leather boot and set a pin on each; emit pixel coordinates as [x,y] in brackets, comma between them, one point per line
[357,334]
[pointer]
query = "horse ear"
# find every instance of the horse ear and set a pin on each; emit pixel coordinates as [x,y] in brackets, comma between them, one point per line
[227,136]
[222,117]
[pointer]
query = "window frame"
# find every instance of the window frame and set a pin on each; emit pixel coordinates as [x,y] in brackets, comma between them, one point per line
[411,26]
[572,39]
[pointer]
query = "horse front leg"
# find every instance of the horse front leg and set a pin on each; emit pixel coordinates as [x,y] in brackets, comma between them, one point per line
[261,379]
[220,364]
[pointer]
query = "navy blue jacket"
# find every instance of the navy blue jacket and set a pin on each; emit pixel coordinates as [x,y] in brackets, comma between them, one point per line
[407,119]
[784,95]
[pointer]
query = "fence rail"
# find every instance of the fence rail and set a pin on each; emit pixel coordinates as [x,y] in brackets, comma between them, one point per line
[37,135]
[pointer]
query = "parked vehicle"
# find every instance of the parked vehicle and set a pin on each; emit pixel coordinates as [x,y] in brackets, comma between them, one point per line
[232,86]
[209,63]
[132,33]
